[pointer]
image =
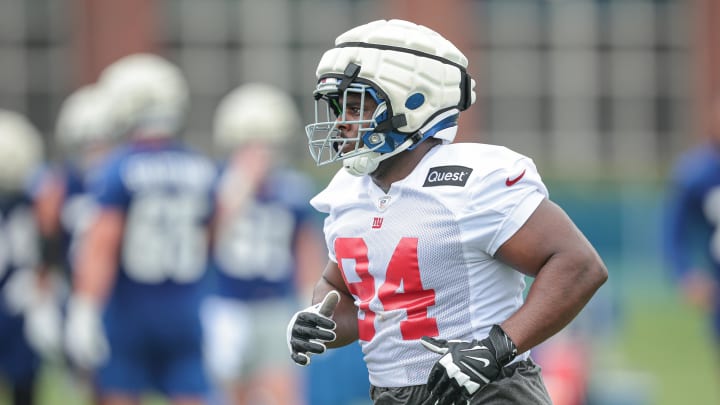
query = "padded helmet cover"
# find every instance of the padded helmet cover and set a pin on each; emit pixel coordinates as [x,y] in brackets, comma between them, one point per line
[420,73]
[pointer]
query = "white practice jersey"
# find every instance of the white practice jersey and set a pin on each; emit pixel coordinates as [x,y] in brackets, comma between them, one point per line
[419,259]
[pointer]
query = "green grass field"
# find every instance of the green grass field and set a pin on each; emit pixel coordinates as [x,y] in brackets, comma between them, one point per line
[671,344]
[663,351]
[663,354]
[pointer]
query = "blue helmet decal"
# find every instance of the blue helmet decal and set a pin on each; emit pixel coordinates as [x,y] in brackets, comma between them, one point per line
[415,101]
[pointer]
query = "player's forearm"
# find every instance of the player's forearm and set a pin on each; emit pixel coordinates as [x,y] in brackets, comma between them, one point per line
[561,289]
[97,258]
[94,276]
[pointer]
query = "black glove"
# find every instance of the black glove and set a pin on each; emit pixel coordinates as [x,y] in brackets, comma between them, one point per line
[466,367]
[309,329]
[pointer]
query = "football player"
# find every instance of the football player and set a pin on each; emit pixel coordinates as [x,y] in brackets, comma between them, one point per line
[21,154]
[85,135]
[266,241]
[430,242]
[64,206]
[692,225]
[140,268]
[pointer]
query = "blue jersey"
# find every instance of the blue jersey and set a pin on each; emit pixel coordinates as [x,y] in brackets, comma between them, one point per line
[152,317]
[166,194]
[19,249]
[693,212]
[254,254]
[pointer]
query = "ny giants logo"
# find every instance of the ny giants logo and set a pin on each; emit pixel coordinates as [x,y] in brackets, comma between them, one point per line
[377,222]
[447,176]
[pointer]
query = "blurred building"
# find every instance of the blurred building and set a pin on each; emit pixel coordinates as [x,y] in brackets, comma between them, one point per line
[583,86]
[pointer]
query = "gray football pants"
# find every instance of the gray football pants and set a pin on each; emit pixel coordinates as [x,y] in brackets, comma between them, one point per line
[522,385]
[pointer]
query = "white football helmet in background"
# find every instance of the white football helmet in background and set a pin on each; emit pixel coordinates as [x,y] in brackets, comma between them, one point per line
[254,112]
[21,150]
[149,94]
[417,77]
[85,119]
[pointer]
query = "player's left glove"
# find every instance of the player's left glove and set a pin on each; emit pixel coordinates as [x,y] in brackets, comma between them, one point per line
[466,367]
[85,341]
[19,291]
[43,327]
[25,294]
[309,329]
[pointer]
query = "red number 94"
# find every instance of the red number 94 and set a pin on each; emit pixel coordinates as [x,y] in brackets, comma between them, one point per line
[402,289]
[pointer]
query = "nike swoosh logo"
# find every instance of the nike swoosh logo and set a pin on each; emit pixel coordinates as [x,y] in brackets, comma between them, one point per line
[477,373]
[485,362]
[509,182]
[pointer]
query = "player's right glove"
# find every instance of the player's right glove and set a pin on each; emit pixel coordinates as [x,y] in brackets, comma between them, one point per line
[309,329]
[466,367]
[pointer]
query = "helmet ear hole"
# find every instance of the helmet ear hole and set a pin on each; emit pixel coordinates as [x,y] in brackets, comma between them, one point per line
[414,101]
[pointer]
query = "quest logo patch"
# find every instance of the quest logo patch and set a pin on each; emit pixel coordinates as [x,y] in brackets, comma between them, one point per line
[447,176]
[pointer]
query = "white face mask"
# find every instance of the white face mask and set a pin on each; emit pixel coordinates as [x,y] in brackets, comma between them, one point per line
[324,141]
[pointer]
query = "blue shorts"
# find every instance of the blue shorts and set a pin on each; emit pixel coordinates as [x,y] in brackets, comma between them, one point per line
[19,364]
[149,354]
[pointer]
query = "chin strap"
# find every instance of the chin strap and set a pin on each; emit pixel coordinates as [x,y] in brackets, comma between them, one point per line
[367,163]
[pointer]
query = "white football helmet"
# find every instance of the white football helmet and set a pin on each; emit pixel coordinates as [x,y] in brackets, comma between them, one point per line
[417,77]
[21,150]
[150,95]
[85,119]
[254,112]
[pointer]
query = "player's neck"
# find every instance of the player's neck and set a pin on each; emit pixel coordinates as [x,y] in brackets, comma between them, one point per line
[401,165]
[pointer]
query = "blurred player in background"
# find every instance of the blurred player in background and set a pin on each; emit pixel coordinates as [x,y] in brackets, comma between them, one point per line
[265,244]
[430,242]
[692,225]
[85,136]
[324,385]
[140,269]
[21,154]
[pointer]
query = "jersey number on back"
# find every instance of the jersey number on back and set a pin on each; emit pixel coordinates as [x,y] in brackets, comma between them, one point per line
[165,239]
[402,288]
[258,244]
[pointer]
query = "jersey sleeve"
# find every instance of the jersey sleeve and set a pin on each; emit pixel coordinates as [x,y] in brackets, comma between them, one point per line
[327,197]
[501,202]
[321,204]
[107,187]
